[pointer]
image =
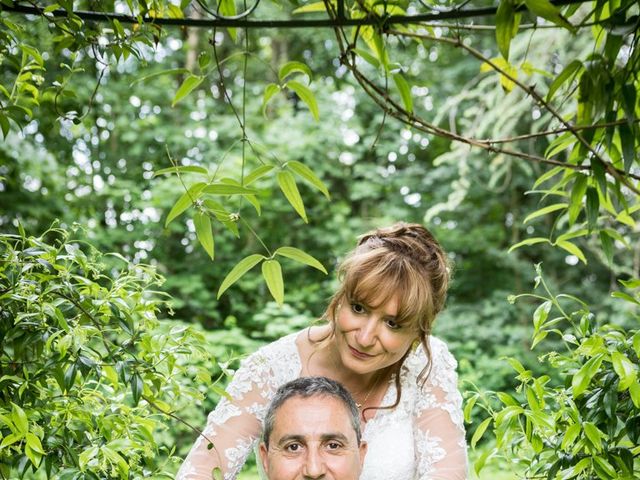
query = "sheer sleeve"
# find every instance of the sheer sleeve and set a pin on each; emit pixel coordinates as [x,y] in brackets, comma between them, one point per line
[234,427]
[439,434]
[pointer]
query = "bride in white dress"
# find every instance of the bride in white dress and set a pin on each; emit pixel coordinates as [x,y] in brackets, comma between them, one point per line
[377,342]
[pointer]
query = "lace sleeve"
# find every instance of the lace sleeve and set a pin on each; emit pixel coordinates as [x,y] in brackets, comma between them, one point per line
[234,426]
[439,432]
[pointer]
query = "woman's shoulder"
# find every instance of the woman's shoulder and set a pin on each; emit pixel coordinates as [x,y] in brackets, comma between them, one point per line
[441,357]
[280,348]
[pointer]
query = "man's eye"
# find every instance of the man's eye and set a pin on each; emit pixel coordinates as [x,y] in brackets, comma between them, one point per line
[357,308]
[334,445]
[293,447]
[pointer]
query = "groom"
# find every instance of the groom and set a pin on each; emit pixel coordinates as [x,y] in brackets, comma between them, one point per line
[312,432]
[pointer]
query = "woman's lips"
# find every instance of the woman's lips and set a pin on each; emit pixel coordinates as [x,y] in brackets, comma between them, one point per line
[359,354]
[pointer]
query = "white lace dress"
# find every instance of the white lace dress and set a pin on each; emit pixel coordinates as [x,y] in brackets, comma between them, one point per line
[420,439]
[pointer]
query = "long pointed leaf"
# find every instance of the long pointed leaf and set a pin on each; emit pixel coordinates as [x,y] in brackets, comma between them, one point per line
[185,202]
[572,249]
[238,271]
[405,91]
[272,273]
[204,232]
[188,85]
[300,256]
[307,174]
[287,184]
[306,95]
[546,210]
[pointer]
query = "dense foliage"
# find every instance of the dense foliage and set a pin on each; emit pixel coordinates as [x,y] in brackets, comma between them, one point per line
[175,146]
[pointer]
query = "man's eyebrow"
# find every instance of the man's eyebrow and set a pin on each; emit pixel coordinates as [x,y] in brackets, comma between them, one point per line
[335,436]
[288,438]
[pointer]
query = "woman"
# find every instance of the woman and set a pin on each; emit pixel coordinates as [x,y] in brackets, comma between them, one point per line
[377,342]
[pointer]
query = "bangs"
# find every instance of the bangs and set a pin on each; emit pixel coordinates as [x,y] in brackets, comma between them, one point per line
[376,281]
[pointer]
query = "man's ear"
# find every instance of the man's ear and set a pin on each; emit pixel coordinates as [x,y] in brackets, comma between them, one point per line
[363,451]
[264,457]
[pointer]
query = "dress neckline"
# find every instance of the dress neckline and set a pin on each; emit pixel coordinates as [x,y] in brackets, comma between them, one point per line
[386,398]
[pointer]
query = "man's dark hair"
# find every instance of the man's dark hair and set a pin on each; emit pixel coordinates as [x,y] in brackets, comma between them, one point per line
[306,387]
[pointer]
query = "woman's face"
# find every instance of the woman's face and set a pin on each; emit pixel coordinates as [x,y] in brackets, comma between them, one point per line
[369,338]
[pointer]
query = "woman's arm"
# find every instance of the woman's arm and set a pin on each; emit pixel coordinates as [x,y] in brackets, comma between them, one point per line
[234,426]
[440,443]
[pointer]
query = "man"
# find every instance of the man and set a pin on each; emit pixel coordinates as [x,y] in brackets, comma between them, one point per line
[312,432]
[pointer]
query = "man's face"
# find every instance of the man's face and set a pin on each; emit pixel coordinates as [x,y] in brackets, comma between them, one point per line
[312,438]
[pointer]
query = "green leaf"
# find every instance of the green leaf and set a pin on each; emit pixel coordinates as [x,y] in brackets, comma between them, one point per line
[185,201]
[548,11]
[546,210]
[34,443]
[86,456]
[204,232]
[307,174]
[367,57]
[606,466]
[306,95]
[172,71]
[560,144]
[625,369]
[19,418]
[607,245]
[570,436]
[634,392]
[182,169]
[577,194]
[4,125]
[547,175]
[269,91]
[529,241]
[312,7]
[300,256]
[228,9]
[574,68]
[581,380]
[226,189]
[188,85]
[238,271]
[272,273]
[404,90]
[541,314]
[628,142]
[593,434]
[572,249]
[294,67]
[507,23]
[217,474]
[480,431]
[256,174]
[574,234]
[629,102]
[636,343]
[287,184]
[468,408]
[593,207]
[137,387]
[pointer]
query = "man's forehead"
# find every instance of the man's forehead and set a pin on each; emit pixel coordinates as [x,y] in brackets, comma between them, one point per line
[318,416]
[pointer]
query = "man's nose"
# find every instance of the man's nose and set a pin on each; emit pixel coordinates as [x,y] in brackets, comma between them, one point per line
[314,467]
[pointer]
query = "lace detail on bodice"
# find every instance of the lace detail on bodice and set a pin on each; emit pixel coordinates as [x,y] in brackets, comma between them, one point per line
[420,439]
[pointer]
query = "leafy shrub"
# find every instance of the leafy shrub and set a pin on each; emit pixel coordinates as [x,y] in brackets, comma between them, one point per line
[586,426]
[85,368]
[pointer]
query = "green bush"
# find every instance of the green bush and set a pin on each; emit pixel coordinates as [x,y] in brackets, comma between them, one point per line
[85,369]
[585,426]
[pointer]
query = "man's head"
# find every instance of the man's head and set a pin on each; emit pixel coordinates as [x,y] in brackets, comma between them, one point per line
[312,431]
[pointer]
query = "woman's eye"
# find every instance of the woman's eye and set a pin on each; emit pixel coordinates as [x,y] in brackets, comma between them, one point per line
[357,308]
[392,324]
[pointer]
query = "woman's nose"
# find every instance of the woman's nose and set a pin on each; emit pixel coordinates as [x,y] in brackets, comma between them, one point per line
[366,336]
[314,466]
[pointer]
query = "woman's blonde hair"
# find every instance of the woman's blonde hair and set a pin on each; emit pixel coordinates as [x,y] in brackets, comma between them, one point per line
[403,260]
